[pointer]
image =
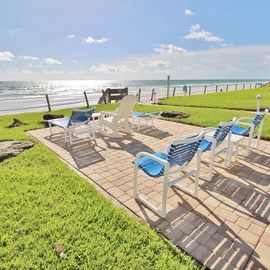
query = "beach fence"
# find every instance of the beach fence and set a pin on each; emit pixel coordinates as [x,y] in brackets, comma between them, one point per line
[149,96]
[187,90]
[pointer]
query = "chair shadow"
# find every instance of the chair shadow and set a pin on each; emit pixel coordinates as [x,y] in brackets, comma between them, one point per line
[84,153]
[252,200]
[260,157]
[152,132]
[128,144]
[188,228]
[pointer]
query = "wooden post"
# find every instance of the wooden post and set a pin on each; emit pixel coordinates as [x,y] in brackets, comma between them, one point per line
[154,98]
[243,86]
[216,88]
[152,94]
[235,87]
[204,89]
[190,90]
[137,98]
[168,86]
[227,88]
[86,99]
[104,96]
[48,102]
[250,86]
[139,95]
[174,91]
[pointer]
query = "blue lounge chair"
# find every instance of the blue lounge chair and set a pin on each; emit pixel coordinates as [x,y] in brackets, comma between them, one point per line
[146,117]
[251,127]
[179,154]
[77,124]
[216,142]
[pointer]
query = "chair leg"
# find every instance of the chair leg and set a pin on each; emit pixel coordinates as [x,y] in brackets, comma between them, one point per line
[227,157]
[211,164]
[162,212]
[114,134]
[258,140]
[126,128]
[249,143]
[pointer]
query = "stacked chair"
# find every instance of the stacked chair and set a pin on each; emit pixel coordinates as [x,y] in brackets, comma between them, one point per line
[216,142]
[251,127]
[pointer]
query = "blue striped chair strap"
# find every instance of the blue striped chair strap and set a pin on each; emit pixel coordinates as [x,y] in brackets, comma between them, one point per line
[81,116]
[182,154]
[221,133]
[152,167]
[257,119]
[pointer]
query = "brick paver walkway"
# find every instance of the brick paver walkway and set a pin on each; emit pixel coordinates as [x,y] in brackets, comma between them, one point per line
[226,227]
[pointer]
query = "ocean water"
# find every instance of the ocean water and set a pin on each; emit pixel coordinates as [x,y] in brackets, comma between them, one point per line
[27,96]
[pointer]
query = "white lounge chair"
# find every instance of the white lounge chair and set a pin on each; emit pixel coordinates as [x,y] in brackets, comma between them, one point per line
[118,120]
[77,124]
[251,127]
[179,154]
[216,142]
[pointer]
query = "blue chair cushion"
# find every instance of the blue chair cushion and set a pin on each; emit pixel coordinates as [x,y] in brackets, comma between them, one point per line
[239,130]
[152,167]
[205,145]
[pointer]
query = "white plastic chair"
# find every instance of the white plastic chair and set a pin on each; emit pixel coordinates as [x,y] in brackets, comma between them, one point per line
[216,142]
[247,126]
[179,154]
[118,120]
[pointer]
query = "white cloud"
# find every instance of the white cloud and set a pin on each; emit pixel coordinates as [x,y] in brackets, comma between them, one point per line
[26,57]
[6,56]
[26,71]
[51,61]
[182,67]
[195,32]
[188,12]
[170,49]
[11,31]
[71,36]
[91,40]
[233,69]
[35,66]
[104,68]
[159,63]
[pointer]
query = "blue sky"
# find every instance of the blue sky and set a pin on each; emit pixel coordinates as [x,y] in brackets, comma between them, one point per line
[134,39]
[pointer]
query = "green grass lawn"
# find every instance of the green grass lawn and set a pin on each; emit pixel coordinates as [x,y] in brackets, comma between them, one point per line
[43,202]
[237,100]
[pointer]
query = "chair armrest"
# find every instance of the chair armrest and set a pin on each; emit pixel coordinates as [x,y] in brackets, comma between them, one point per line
[244,119]
[209,129]
[148,155]
[210,138]
[209,132]
[240,122]
[104,114]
